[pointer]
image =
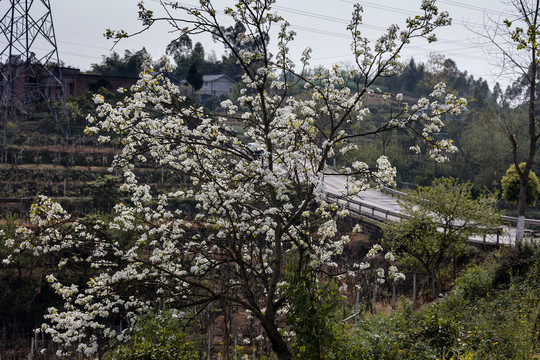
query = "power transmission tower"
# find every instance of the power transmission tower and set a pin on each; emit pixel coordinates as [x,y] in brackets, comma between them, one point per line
[30,71]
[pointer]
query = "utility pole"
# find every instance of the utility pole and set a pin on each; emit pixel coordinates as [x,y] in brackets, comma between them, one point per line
[30,71]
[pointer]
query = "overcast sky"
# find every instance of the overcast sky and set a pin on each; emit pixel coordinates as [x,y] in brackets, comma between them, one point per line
[320,24]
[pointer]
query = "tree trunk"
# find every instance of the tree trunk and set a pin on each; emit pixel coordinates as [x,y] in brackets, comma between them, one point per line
[434,283]
[533,136]
[520,229]
[279,346]
[522,205]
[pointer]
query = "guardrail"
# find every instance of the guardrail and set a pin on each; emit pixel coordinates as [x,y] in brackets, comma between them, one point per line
[372,210]
[513,220]
[381,214]
[510,219]
[393,192]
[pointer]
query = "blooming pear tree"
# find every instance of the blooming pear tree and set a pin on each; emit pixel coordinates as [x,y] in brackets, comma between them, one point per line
[262,214]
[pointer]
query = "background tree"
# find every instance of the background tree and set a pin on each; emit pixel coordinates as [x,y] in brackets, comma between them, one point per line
[180,49]
[185,55]
[511,186]
[238,38]
[411,75]
[130,64]
[440,219]
[517,47]
[197,55]
[194,77]
[261,217]
[104,192]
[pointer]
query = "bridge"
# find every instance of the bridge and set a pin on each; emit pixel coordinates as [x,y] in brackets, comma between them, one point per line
[383,206]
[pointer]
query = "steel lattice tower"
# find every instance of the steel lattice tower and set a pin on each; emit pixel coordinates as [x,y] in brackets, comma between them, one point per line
[29,63]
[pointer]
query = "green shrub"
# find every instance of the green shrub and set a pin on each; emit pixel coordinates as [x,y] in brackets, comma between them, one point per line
[437,332]
[157,337]
[313,317]
[378,337]
[474,284]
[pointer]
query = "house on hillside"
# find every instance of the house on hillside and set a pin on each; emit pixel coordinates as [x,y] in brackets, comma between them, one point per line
[215,85]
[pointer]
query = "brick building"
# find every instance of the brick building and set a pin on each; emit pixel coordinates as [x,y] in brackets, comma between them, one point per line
[77,83]
[34,81]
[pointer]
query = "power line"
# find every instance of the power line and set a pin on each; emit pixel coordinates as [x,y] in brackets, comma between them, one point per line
[364,25]
[319,31]
[410,13]
[470,7]
[311,14]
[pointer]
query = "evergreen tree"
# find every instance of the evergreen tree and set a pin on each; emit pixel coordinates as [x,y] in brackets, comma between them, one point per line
[129,65]
[194,77]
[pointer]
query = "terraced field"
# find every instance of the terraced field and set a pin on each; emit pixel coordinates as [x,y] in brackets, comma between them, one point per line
[72,174]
